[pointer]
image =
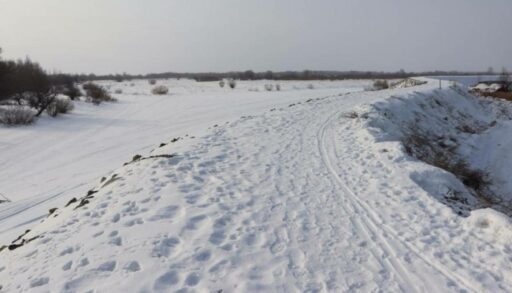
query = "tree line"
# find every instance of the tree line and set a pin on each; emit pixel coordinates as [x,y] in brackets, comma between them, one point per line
[26,83]
[271,75]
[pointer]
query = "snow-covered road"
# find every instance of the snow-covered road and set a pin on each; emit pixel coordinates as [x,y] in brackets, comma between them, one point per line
[298,199]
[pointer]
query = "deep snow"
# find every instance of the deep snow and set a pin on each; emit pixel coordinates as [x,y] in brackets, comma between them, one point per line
[304,198]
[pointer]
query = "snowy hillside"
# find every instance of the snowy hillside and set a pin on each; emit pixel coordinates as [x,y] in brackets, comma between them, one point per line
[309,191]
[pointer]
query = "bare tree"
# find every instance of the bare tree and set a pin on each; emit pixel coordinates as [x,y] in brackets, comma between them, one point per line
[33,85]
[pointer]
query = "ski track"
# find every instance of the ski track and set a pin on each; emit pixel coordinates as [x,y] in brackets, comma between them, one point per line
[376,230]
[280,202]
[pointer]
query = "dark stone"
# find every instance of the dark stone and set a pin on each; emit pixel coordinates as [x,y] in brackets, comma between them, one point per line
[91,192]
[82,203]
[15,246]
[73,200]
[51,211]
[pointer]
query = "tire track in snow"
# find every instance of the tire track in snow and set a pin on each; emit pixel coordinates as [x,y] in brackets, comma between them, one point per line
[373,224]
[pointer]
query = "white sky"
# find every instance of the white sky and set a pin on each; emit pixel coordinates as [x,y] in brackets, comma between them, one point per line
[112,36]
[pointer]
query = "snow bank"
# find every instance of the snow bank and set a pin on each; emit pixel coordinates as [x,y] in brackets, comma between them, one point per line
[467,136]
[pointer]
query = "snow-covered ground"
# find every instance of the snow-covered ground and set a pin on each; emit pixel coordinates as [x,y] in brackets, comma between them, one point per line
[306,197]
[43,165]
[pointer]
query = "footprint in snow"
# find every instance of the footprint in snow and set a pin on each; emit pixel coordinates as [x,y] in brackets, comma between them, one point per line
[193,279]
[166,280]
[165,247]
[108,266]
[67,266]
[116,218]
[137,221]
[84,262]
[217,237]
[193,222]
[168,212]
[68,250]
[203,256]
[132,266]
[117,241]
[98,234]
[38,282]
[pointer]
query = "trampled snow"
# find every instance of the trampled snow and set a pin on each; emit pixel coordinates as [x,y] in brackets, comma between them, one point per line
[299,195]
[46,164]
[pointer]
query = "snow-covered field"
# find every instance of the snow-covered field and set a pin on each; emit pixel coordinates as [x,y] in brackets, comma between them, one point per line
[307,192]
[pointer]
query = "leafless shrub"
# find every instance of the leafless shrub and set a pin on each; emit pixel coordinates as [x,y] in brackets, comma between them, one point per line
[269,87]
[232,83]
[380,85]
[152,82]
[60,106]
[118,91]
[278,87]
[425,147]
[16,115]
[160,90]
[222,83]
[311,86]
[97,94]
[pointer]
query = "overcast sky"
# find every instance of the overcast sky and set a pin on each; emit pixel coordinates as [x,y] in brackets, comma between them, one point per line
[135,36]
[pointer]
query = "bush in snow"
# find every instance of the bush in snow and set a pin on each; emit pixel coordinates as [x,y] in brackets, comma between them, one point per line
[152,82]
[269,87]
[160,90]
[60,106]
[16,115]
[72,92]
[380,85]
[222,83]
[311,86]
[232,83]
[96,94]
[278,87]
[119,91]
[66,85]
